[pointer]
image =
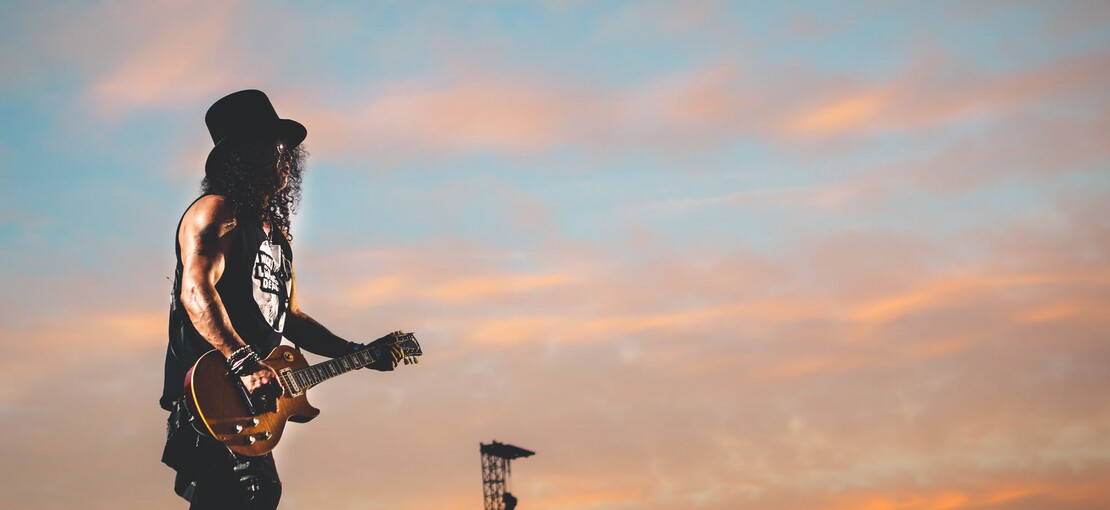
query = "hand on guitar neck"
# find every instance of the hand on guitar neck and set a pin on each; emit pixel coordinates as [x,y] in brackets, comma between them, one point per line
[392,353]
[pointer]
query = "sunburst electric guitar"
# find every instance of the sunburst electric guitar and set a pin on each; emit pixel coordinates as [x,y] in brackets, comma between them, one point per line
[252,424]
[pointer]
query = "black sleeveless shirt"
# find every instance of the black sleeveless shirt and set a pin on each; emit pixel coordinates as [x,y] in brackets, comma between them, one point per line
[254,289]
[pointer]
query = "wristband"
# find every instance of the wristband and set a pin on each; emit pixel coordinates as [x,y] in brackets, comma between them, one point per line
[237,353]
[244,361]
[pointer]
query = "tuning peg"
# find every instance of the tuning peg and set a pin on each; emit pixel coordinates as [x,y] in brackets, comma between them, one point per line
[415,360]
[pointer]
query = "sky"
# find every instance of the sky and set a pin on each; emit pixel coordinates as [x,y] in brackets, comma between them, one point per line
[695,255]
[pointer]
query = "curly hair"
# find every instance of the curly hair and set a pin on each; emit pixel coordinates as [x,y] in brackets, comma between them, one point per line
[250,176]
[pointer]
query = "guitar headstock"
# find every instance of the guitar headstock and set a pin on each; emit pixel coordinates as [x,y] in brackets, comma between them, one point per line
[410,348]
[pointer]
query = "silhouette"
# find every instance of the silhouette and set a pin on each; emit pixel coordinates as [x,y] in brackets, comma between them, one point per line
[233,294]
[495,474]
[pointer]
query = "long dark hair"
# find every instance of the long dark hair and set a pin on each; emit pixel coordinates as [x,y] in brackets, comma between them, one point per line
[249,176]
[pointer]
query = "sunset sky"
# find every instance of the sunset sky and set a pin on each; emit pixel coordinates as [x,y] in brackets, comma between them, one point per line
[696,255]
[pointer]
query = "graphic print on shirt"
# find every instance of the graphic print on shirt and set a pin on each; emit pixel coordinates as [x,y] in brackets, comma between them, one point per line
[269,284]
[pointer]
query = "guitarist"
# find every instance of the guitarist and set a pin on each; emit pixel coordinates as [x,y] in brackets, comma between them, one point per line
[235,291]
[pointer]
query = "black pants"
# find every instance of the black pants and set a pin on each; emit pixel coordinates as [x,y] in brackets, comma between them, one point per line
[210,477]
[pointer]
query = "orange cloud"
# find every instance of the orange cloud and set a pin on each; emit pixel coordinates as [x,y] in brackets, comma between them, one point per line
[792,369]
[996,494]
[38,349]
[194,58]
[596,326]
[1068,310]
[454,289]
[582,500]
[472,288]
[841,115]
[955,291]
[135,330]
[832,197]
[473,113]
[113,331]
[940,93]
[522,113]
[697,101]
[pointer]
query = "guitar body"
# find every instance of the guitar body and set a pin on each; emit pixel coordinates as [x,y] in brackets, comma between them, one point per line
[252,424]
[246,425]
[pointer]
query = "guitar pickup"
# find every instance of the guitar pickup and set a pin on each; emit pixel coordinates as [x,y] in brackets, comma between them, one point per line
[290,382]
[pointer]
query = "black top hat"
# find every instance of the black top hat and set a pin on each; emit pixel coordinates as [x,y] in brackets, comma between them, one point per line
[245,116]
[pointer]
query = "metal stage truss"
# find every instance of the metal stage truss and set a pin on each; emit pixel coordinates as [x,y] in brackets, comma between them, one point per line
[496,471]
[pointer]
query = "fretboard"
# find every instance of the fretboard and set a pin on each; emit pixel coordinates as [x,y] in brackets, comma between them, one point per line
[312,375]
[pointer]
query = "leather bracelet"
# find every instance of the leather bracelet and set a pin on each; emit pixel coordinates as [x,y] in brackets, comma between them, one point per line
[243,361]
[247,365]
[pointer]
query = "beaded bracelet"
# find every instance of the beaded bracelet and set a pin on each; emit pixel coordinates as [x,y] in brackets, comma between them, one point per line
[239,355]
[239,352]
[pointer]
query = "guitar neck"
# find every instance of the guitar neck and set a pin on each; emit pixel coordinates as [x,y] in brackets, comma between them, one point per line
[312,375]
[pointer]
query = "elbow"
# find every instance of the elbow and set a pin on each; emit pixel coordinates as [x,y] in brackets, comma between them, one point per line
[188,301]
[195,297]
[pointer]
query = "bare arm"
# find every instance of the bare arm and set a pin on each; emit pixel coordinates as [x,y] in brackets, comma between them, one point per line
[205,240]
[304,331]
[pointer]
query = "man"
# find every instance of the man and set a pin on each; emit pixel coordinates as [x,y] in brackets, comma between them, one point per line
[235,291]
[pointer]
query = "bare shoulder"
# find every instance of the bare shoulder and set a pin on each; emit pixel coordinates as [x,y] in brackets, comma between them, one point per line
[214,207]
[210,217]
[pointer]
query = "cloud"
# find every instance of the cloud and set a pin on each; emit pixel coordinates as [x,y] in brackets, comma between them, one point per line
[41,348]
[829,197]
[454,289]
[840,115]
[730,378]
[1029,147]
[532,112]
[187,61]
[943,92]
[958,290]
[579,493]
[865,359]
[135,56]
[469,114]
[475,110]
